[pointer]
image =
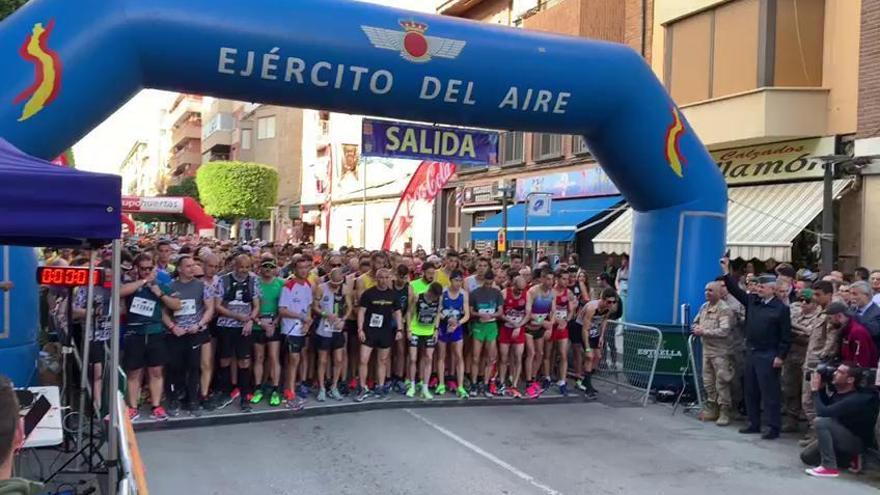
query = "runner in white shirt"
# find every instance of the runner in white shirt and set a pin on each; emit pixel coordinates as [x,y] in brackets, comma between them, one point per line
[295,309]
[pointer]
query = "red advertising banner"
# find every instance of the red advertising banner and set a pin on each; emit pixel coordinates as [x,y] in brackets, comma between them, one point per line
[425,184]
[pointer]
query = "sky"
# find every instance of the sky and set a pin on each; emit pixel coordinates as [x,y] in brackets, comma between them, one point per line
[105,147]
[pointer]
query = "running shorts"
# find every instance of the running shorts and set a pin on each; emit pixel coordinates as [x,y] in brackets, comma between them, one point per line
[233,344]
[379,338]
[485,332]
[450,337]
[336,341]
[423,341]
[142,351]
[575,334]
[506,336]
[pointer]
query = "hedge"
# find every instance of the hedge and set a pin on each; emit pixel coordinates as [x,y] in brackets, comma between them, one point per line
[235,190]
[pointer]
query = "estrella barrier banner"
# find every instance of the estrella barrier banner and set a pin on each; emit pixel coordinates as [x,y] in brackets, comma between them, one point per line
[424,185]
[420,142]
[69,65]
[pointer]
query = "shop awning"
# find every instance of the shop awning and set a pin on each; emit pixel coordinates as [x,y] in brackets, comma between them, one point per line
[762,221]
[567,216]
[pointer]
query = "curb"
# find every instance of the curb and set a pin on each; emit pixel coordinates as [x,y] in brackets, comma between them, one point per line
[314,408]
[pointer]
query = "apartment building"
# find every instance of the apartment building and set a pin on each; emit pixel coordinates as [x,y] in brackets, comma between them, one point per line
[185,123]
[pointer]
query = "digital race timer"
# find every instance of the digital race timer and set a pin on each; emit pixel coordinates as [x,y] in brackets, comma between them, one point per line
[67,276]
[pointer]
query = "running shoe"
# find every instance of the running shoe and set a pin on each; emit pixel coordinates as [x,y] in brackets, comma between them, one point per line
[591,395]
[433,381]
[303,390]
[194,409]
[411,390]
[487,391]
[546,382]
[384,390]
[441,389]
[501,390]
[855,466]
[257,397]
[579,384]
[371,384]
[223,401]
[236,393]
[174,407]
[398,387]
[248,397]
[365,394]
[246,405]
[352,384]
[159,414]
[334,394]
[322,395]
[289,396]
[493,389]
[514,392]
[474,390]
[133,414]
[462,393]
[295,405]
[275,399]
[823,472]
[563,389]
[426,393]
[452,385]
[534,391]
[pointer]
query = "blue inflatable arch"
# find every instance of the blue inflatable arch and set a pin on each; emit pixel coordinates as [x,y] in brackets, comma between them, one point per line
[68,65]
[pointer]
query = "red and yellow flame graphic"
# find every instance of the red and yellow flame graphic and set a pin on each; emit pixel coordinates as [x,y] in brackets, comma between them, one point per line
[673,138]
[47,71]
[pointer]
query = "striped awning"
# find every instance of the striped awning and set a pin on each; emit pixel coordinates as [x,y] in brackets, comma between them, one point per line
[762,221]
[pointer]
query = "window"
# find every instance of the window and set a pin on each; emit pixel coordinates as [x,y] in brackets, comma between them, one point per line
[579,145]
[266,127]
[736,47]
[246,137]
[511,146]
[546,146]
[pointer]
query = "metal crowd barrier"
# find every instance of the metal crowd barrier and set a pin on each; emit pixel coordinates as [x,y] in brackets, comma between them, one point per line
[696,372]
[629,358]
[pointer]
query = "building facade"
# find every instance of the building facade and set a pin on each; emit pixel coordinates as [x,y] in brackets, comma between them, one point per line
[867,143]
[185,124]
[349,199]
[525,157]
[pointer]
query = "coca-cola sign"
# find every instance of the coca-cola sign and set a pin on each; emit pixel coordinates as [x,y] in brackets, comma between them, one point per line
[425,184]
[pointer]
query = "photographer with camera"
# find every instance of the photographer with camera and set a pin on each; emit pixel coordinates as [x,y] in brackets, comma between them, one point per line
[844,420]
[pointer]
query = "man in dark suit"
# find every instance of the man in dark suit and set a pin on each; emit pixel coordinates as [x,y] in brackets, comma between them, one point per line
[866,310]
[768,339]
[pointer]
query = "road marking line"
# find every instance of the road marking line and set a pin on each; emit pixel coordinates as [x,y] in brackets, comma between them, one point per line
[477,450]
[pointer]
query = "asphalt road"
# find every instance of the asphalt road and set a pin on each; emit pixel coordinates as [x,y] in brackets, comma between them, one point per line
[545,449]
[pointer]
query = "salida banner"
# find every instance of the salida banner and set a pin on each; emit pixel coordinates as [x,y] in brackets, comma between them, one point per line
[421,142]
[425,184]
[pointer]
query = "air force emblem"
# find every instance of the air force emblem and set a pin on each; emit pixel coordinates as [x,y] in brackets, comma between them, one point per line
[412,43]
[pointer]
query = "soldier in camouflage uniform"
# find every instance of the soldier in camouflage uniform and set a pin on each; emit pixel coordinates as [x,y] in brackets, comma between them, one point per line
[823,345]
[714,325]
[738,344]
[805,318]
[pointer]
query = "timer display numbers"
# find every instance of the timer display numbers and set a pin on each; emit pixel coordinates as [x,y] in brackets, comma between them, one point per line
[66,276]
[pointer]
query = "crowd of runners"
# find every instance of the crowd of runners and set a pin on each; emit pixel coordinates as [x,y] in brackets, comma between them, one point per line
[209,323]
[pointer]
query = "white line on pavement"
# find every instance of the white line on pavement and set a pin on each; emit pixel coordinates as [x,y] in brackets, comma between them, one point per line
[477,450]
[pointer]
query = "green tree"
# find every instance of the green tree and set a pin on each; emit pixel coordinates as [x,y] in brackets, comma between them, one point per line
[234,190]
[7,7]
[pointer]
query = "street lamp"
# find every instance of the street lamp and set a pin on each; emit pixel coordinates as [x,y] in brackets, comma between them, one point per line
[849,165]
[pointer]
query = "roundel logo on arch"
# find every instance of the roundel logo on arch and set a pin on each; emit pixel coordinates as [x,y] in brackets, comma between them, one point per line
[412,44]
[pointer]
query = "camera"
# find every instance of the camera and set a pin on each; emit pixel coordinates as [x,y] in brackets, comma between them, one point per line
[825,370]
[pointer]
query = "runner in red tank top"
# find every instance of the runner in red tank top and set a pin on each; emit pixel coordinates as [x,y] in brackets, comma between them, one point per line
[566,306]
[512,334]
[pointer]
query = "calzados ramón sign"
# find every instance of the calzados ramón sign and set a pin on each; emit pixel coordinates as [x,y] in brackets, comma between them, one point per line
[421,142]
[774,162]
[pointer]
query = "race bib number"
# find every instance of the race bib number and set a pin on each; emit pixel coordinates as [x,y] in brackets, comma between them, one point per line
[266,320]
[451,313]
[561,314]
[142,306]
[486,311]
[538,319]
[187,308]
[376,320]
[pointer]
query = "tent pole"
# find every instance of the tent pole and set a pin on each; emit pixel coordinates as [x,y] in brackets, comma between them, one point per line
[113,393]
[84,364]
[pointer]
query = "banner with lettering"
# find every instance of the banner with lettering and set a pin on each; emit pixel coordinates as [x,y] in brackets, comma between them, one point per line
[425,184]
[774,162]
[464,147]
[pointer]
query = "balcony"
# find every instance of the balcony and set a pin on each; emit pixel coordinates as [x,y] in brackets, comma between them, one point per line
[185,156]
[187,130]
[184,106]
[760,115]
[455,7]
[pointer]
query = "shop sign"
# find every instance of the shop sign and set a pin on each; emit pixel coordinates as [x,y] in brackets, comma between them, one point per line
[583,183]
[421,142]
[775,162]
